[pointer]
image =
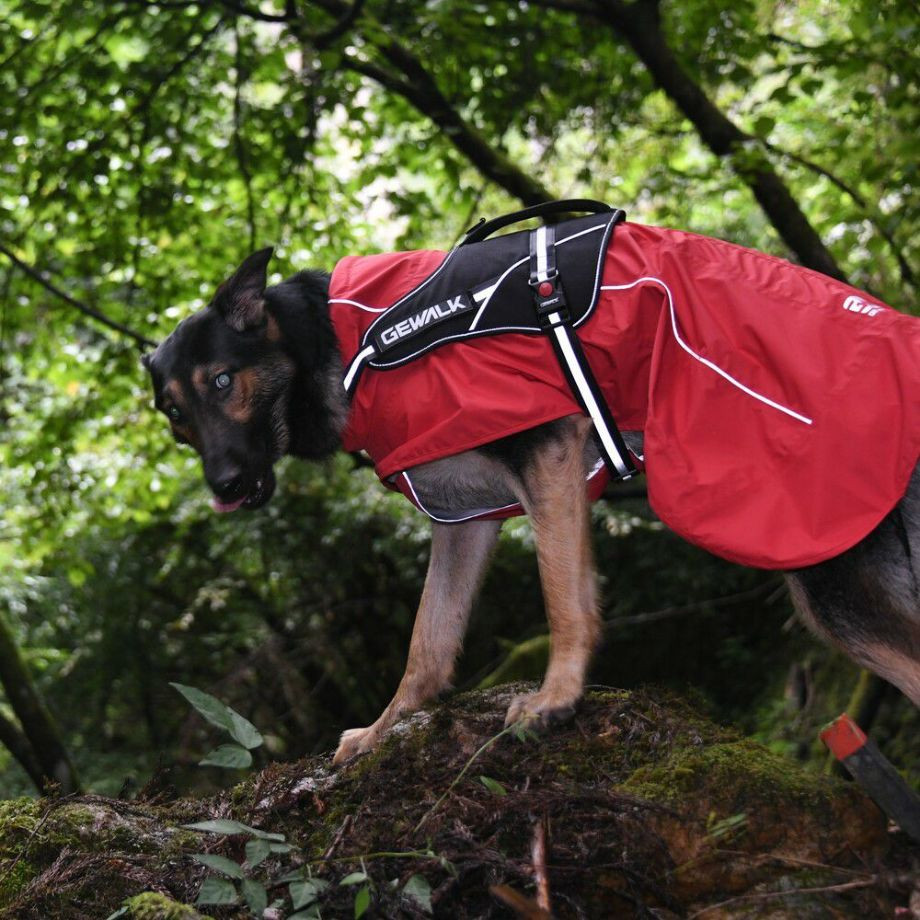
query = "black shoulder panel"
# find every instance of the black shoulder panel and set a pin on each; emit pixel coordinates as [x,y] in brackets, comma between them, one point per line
[482,289]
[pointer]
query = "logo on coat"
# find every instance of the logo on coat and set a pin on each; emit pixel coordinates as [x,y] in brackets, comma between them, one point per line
[423,319]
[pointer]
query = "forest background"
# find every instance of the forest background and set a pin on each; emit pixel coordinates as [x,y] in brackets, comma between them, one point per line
[145,148]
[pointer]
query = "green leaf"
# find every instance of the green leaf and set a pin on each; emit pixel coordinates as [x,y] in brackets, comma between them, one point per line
[306,892]
[211,708]
[311,913]
[219,864]
[355,878]
[763,125]
[295,875]
[493,785]
[522,733]
[418,889]
[118,913]
[216,891]
[221,715]
[362,901]
[228,826]
[257,851]
[229,756]
[244,731]
[256,896]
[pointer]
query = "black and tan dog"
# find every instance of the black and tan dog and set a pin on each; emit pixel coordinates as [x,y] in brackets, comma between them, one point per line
[257,375]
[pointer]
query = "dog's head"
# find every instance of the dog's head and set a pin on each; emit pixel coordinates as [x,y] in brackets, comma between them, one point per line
[223,380]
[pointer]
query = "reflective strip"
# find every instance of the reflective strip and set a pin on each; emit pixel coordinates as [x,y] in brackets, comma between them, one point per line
[355,366]
[562,332]
[562,337]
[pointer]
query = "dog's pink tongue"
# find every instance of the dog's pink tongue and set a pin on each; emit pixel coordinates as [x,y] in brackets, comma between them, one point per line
[224,507]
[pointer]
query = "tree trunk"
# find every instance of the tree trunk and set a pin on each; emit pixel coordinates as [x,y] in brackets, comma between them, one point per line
[50,755]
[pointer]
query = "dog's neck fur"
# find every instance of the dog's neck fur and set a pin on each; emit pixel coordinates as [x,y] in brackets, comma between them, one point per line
[317,405]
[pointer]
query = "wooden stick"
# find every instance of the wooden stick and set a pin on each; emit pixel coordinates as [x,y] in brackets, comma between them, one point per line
[538,857]
[524,907]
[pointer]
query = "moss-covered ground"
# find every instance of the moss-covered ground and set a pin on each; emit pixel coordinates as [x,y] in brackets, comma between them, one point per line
[647,809]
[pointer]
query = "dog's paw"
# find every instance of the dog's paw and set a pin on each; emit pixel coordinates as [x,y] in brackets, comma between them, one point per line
[354,742]
[540,710]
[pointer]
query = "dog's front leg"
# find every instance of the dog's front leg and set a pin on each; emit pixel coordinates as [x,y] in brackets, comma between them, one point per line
[459,556]
[555,498]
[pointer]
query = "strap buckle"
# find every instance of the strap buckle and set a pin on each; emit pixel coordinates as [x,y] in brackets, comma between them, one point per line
[549,299]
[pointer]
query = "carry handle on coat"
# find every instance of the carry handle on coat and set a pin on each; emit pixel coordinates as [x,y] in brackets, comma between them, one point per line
[486,228]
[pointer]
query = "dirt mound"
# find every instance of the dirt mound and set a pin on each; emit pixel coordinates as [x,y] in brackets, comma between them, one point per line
[640,807]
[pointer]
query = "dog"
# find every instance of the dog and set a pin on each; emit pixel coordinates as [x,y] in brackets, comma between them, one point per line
[257,375]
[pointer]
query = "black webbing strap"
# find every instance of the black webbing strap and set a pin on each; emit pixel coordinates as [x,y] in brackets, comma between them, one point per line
[555,320]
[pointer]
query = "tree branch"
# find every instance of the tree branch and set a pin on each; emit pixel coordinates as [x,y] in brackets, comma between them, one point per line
[639,24]
[766,589]
[420,90]
[410,79]
[85,309]
[253,13]
[907,273]
[239,145]
[336,31]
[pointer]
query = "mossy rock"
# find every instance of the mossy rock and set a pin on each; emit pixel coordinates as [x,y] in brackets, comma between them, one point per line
[153,906]
[646,806]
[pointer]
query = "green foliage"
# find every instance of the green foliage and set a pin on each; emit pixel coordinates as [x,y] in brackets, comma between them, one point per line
[493,785]
[418,890]
[241,730]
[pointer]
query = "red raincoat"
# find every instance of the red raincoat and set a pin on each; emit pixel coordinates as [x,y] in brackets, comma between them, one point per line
[781,408]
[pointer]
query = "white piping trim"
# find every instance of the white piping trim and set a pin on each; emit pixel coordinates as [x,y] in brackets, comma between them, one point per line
[593,229]
[714,367]
[360,306]
[355,366]
[598,466]
[414,290]
[512,267]
[457,520]
[494,288]
[485,295]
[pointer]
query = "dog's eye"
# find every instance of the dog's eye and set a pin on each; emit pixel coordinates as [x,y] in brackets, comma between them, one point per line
[222,381]
[174,413]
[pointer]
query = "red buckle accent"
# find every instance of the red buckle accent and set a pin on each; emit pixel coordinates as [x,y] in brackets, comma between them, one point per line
[545,289]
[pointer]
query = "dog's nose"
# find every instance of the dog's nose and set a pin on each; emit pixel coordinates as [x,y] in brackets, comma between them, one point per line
[227,484]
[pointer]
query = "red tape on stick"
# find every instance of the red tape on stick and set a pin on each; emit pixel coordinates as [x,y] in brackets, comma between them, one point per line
[843,737]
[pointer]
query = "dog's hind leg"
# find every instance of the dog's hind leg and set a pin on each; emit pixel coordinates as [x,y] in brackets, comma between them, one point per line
[459,558]
[553,493]
[867,600]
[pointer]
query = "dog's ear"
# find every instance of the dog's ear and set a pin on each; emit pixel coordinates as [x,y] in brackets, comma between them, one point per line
[239,300]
